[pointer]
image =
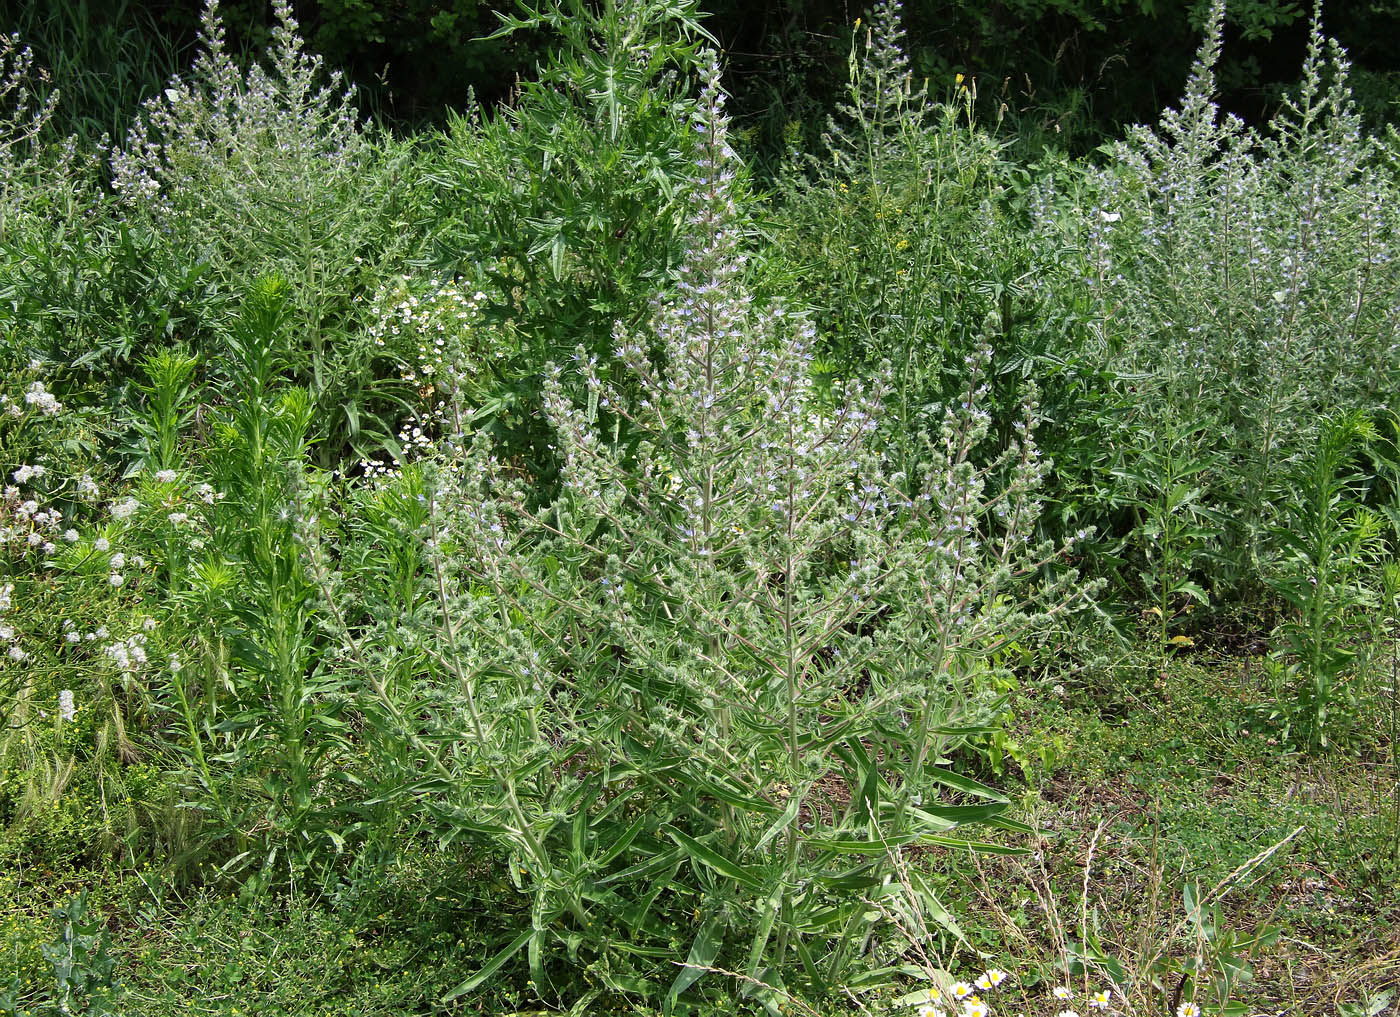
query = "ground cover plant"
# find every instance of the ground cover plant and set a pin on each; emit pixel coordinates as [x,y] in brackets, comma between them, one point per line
[524,567]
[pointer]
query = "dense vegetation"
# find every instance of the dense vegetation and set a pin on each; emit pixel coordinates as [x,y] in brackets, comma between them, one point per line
[1062,73]
[530,564]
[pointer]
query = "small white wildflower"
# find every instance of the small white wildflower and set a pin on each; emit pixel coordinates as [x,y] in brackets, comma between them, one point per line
[1101,999]
[961,990]
[118,561]
[995,976]
[72,637]
[102,544]
[148,625]
[176,518]
[16,653]
[22,475]
[116,579]
[124,509]
[66,709]
[166,476]
[1060,992]
[1188,1010]
[71,536]
[976,1008]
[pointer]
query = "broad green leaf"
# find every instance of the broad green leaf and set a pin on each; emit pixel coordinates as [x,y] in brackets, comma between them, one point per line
[703,952]
[966,785]
[712,859]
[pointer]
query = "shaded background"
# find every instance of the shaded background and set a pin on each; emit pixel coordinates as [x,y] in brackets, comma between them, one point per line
[1063,73]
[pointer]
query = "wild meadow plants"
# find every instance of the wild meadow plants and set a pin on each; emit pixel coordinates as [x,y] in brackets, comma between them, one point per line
[565,205]
[1244,287]
[706,692]
[660,559]
[272,171]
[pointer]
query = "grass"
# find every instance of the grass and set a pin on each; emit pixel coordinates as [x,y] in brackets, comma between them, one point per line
[1152,796]
[1177,790]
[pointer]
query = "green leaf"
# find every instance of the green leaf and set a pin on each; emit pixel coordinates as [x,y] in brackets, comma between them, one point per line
[975,846]
[703,952]
[946,817]
[966,785]
[712,859]
[765,927]
[492,966]
[794,806]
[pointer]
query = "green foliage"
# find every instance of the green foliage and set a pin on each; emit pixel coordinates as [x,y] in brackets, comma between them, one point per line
[104,60]
[272,171]
[1237,284]
[903,237]
[699,702]
[568,201]
[529,515]
[274,729]
[1161,480]
[84,971]
[1331,543]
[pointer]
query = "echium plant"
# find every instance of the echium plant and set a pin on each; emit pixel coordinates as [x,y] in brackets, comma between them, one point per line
[22,118]
[697,704]
[898,234]
[272,171]
[1244,279]
[882,103]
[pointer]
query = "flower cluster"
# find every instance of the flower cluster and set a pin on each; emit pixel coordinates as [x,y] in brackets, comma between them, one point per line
[966,999]
[436,334]
[1102,1000]
[25,523]
[127,655]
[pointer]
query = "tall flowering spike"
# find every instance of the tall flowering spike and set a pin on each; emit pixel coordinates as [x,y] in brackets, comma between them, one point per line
[884,52]
[710,286]
[881,101]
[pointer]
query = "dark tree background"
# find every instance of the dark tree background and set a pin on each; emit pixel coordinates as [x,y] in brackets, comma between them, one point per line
[1066,73]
